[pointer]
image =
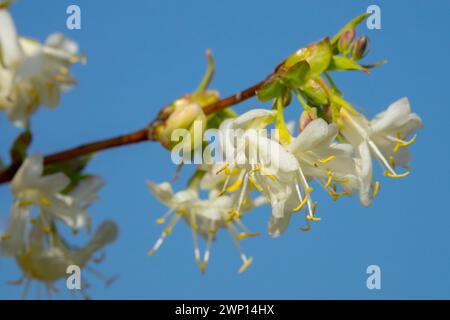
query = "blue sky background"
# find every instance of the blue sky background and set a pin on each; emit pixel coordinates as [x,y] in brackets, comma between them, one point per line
[143,54]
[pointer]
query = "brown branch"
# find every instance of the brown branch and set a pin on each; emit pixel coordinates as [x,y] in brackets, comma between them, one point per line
[146,134]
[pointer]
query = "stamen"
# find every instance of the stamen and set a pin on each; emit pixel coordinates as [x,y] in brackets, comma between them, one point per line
[341,180]
[164,234]
[396,175]
[402,143]
[392,161]
[307,227]
[222,169]
[330,178]
[236,185]
[312,213]
[302,203]
[267,173]
[325,161]
[376,187]
[45,201]
[255,185]
[244,235]
[246,264]
[162,219]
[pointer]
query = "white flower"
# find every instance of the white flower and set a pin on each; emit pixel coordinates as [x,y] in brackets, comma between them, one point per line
[205,218]
[32,74]
[254,160]
[47,256]
[319,158]
[384,138]
[33,189]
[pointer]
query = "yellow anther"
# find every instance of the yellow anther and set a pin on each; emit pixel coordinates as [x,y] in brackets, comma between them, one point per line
[266,173]
[396,175]
[254,184]
[24,204]
[201,265]
[167,231]
[404,143]
[222,168]
[246,264]
[336,195]
[376,187]
[244,235]
[211,231]
[330,178]
[326,160]
[181,211]
[236,185]
[312,218]
[257,168]
[160,221]
[309,190]
[313,209]
[33,221]
[302,203]
[194,226]
[45,201]
[343,180]
[233,172]
[47,229]
[5,237]
[233,214]
[392,161]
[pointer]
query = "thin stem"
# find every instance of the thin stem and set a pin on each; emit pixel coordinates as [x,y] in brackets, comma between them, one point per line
[146,134]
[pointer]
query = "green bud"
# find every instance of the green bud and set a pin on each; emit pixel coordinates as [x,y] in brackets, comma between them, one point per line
[360,48]
[183,117]
[345,40]
[314,92]
[306,118]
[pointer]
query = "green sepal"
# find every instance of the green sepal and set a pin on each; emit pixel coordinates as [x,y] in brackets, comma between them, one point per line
[350,25]
[318,55]
[296,75]
[72,168]
[272,89]
[339,63]
[216,119]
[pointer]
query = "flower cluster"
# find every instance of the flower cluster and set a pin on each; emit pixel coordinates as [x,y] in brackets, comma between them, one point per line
[47,198]
[259,159]
[334,148]
[31,73]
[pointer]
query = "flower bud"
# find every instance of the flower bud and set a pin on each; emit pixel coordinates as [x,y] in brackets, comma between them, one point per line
[314,92]
[345,40]
[360,48]
[183,117]
[306,118]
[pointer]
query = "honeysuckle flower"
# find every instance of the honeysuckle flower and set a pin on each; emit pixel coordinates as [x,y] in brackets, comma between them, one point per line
[205,217]
[384,138]
[33,189]
[47,256]
[321,159]
[261,163]
[31,73]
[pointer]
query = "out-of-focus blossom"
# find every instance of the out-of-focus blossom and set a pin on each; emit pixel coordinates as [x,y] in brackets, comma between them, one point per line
[32,74]
[205,217]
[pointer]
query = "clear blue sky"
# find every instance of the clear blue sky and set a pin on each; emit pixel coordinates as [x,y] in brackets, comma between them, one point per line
[143,54]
